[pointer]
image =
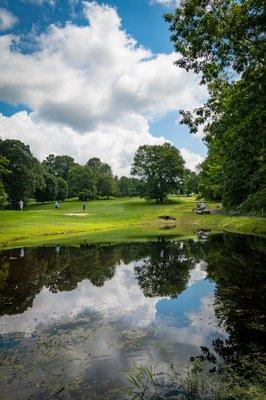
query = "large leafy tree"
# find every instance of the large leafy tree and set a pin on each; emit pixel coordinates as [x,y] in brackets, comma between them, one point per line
[82,179]
[161,168]
[48,189]
[224,42]
[58,165]
[98,166]
[25,170]
[190,182]
[62,189]
[104,178]
[106,185]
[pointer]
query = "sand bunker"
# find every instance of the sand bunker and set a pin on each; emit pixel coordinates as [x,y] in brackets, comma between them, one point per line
[77,214]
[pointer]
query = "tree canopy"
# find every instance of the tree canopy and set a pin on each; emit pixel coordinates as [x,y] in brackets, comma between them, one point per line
[24,170]
[223,41]
[161,167]
[58,165]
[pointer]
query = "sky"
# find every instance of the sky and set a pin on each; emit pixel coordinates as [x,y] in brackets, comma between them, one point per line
[94,78]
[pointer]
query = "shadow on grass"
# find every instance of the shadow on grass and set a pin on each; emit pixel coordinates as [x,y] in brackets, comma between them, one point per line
[148,203]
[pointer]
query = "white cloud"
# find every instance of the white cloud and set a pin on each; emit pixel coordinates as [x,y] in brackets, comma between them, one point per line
[42,2]
[198,273]
[7,20]
[191,159]
[135,309]
[114,143]
[92,89]
[205,320]
[167,3]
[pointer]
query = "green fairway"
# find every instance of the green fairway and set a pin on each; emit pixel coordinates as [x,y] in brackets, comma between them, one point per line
[114,220]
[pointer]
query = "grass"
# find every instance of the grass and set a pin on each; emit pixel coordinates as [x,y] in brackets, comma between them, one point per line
[114,220]
[194,383]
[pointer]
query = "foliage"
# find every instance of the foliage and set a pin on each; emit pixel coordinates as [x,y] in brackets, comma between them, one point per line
[98,167]
[24,169]
[4,171]
[190,182]
[105,183]
[82,178]
[126,187]
[3,196]
[161,168]
[48,190]
[58,165]
[211,177]
[84,195]
[62,189]
[217,38]
[195,383]
[224,42]
[165,272]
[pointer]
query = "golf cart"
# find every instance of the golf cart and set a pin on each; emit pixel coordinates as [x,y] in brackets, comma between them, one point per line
[202,208]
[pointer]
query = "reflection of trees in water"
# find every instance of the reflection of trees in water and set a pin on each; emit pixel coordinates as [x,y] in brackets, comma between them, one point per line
[165,272]
[22,278]
[236,263]
[26,276]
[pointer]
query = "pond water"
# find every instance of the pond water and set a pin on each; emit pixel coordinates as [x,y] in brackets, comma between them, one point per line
[72,318]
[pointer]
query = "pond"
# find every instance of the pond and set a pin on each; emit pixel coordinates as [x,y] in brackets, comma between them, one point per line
[72,318]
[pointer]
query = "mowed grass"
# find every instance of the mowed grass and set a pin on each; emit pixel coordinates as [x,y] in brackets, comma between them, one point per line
[114,220]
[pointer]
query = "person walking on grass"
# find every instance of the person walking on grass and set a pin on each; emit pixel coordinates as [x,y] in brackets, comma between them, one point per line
[84,207]
[21,205]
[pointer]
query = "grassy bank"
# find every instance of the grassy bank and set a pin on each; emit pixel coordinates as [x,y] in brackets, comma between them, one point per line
[114,220]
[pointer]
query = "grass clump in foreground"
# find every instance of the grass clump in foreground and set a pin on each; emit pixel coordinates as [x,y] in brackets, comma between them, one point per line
[117,219]
[197,382]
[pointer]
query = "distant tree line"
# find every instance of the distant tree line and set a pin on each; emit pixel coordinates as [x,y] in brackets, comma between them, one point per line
[157,171]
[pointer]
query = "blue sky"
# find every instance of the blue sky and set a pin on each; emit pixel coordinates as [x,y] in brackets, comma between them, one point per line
[141,20]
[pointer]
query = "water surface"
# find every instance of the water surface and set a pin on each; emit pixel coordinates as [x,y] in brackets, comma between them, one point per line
[71,318]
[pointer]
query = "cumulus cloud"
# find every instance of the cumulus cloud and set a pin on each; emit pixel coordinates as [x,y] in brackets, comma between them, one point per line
[92,89]
[114,143]
[191,159]
[82,76]
[42,2]
[7,20]
[168,3]
[135,309]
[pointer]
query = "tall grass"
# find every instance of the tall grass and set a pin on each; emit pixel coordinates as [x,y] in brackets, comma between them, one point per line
[195,382]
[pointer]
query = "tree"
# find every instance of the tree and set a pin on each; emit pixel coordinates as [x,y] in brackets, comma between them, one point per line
[104,176]
[106,185]
[224,42]
[4,171]
[3,196]
[25,170]
[128,186]
[58,165]
[48,190]
[190,182]
[218,38]
[62,189]
[98,166]
[82,178]
[211,177]
[161,167]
